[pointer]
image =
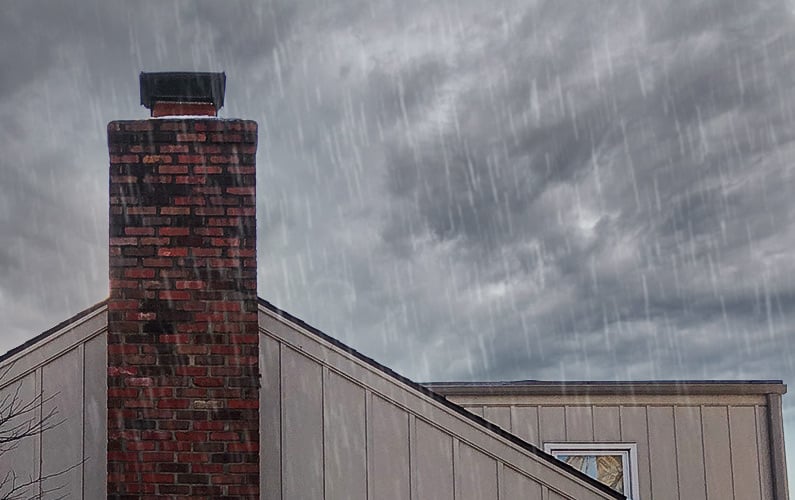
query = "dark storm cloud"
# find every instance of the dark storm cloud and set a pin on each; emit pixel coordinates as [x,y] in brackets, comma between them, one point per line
[671,144]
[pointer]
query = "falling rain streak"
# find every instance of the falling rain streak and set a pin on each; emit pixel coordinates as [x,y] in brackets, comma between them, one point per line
[463,190]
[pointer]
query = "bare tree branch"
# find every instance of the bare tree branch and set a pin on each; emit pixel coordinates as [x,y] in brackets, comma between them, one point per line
[22,419]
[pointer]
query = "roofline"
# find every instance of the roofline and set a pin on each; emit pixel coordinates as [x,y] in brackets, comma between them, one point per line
[611,388]
[460,410]
[52,331]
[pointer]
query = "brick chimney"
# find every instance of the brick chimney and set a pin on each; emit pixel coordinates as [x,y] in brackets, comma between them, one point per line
[183,377]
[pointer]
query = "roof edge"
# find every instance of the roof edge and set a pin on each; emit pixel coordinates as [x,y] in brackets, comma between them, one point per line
[611,388]
[52,331]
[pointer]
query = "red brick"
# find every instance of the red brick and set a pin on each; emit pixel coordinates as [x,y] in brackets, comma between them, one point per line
[115,371]
[208,426]
[158,478]
[245,191]
[191,370]
[158,392]
[174,231]
[174,148]
[158,262]
[209,231]
[175,211]
[139,381]
[122,349]
[154,241]
[141,211]
[214,211]
[224,436]
[193,457]
[123,241]
[139,231]
[191,436]
[241,211]
[207,170]
[191,159]
[174,295]
[172,169]
[189,200]
[174,339]
[191,137]
[173,251]
[190,179]
[117,305]
[173,403]
[190,285]
[157,179]
[156,159]
[242,447]
[123,159]
[119,456]
[242,170]
[115,392]
[239,252]
[243,404]
[208,381]
[140,446]
[225,242]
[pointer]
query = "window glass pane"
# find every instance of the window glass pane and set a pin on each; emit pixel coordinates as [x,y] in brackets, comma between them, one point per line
[608,469]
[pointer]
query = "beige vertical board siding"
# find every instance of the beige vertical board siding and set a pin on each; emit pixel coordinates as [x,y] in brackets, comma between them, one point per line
[606,423]
[405,437]
[344,433]
[476,475]
[763,452]
[717,458]
[683,442]
[662,453]
[270,419]
[518,486]
[500,415]
[579,423]
[745,462]
[62,446]
[95,417]
[551,424]
[23,459]
[634,430]
[477,410]
[690,453]
[524,423]
[553,495]
[388,451]
[433,472]
[302,426]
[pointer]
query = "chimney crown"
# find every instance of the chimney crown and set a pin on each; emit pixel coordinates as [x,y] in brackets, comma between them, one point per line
[182,93]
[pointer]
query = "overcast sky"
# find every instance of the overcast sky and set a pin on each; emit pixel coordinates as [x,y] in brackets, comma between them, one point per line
[463,190]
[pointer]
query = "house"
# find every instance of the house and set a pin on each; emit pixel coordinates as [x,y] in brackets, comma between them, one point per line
[185,384]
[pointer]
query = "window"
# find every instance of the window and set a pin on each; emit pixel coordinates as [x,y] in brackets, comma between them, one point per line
[614,464]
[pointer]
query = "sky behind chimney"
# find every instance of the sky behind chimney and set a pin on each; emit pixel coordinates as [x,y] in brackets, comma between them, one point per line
[460,189]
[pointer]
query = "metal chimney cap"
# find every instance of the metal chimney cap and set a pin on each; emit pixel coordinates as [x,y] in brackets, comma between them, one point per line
[183,86]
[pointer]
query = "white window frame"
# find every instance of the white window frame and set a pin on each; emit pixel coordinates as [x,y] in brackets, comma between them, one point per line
[629,452]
